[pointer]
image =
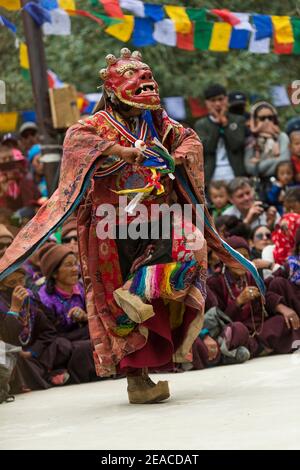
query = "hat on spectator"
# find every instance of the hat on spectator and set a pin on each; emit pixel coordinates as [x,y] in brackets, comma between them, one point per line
[69,226]
[29,125]
[4,232]
[238,242]
[9,137]
[214,90]
[236,97]
[293,125]
[51,256]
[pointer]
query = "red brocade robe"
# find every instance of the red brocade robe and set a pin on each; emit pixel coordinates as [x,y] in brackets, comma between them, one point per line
[155,342]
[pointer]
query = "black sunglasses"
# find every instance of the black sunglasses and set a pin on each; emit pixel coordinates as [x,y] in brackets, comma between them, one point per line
[265,118]
[261,236]
[69,239]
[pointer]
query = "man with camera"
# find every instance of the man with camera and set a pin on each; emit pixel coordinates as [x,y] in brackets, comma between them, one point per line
[245,207]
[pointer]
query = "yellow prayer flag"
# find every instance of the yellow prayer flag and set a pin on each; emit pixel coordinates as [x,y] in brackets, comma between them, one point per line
[8,122]
[283,29]
[122,30]
[67,4]
[180,17]
[24,61]
[11,4]
[220,37]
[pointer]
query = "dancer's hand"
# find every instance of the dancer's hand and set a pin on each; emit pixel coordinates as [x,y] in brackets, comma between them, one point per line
[212,347]
[131,155]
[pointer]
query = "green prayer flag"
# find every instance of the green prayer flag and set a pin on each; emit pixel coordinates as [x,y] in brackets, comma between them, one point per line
[296,31]
[196,14]
[202,36]
[109,21]
[25,73]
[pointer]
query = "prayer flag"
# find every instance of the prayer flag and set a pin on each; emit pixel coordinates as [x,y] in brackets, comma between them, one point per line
[202,34]
[112,8]
[155,12]
[227,16]
[143,32]
[164,32]
[180,18]
[122,30]
[11,4]
[283,30]
[220,37]
[136,7]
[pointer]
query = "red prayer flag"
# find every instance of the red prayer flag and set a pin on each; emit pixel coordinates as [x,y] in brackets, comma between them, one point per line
[186,41]
[112,8]
[197,108]
[280,48]
[227,16]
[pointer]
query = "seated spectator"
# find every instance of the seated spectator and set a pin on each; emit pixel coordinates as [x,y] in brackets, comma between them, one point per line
[64,298]
[268,145]
[246,208]
[10,141]
[28,136]
[291,201]
[286,283]
[228,225]
[277,189]
[293,131]
[219,197]
[6,238]
[240,299]
[34,157]
[24,323]
[220,341]
[284,236]
[261,237]
[17,189]
[223,137]
[69,235]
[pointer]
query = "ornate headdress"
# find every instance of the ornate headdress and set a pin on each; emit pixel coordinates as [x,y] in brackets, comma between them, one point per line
[130,80]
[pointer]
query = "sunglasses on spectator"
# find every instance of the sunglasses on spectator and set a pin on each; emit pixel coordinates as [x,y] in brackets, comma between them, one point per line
[3,246]
[270,117]
[261,236]
[69,239]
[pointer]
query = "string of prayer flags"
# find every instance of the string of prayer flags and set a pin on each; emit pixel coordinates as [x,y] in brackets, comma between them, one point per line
[10,4]
[143,32]
[112,8]
[220,37]
[122,30]
[4,22]
[180,18]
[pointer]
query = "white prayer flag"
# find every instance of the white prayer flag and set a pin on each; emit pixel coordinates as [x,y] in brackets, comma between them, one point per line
[175,107]
[244,22]
[261,46]
[60,23]
[164,32]
[134,6]
[280,96]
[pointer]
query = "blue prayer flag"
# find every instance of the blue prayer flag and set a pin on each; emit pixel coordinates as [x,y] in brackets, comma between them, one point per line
[39,14]
[8,24]
[49,4]
[263,25]
[155,12]
[143,32]
[239,39]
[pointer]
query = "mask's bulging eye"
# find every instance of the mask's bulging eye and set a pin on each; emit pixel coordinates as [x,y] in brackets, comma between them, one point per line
[129,74]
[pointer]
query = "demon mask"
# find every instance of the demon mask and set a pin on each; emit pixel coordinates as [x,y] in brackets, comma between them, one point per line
[130,80]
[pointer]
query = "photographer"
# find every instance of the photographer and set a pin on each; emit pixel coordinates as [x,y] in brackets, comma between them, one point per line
[246,208]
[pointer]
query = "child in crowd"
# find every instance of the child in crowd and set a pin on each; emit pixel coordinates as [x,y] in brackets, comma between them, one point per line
[295,153]
[37,168]
[219,197]
[284,179]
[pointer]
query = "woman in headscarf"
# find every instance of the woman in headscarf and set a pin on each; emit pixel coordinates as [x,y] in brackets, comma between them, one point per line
[17,189]
[286,283]
[267,145]
[240,299]
[63,296]
[23,323]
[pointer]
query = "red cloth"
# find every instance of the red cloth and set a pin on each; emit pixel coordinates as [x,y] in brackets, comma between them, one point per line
[296,163]
[227,16]
[112,8]
[284,236]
